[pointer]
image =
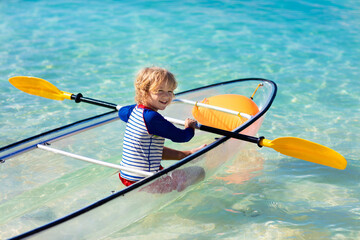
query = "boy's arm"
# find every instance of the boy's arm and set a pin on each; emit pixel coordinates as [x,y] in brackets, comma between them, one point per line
[172,154]
[158,125]
[124,112]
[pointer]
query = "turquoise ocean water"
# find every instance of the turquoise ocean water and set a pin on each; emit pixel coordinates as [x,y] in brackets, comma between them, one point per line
[311,49]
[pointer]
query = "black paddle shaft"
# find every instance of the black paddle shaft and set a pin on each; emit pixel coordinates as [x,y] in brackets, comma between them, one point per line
[79,98]
[231,134]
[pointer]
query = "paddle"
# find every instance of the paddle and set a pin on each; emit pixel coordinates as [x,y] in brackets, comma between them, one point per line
[43,88]
[290,146]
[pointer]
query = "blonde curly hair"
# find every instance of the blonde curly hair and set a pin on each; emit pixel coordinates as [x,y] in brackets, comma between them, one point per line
[149,79]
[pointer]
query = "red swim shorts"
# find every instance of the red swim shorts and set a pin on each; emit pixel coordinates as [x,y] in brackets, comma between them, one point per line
[129,182]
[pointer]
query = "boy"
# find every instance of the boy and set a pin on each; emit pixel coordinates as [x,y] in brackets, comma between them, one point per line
[146,129]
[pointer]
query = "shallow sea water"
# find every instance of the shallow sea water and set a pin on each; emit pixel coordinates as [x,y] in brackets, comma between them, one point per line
[311,49]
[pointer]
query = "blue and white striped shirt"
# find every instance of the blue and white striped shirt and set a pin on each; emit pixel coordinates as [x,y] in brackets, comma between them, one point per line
[144,138]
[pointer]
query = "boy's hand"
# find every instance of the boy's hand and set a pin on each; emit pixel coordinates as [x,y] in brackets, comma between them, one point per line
[190,123]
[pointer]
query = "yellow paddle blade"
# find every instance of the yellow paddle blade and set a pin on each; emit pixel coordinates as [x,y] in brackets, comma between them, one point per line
[306,150]
[39,87]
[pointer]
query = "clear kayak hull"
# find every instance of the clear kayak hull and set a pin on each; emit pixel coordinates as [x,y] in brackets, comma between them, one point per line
[47,196]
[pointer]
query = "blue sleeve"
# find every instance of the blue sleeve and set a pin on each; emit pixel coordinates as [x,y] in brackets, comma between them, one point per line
[124,112]
[158,125]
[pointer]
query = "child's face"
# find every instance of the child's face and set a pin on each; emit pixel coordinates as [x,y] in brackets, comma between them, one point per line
[160,98]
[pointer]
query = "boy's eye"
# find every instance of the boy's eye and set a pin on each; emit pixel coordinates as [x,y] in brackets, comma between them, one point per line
[160,92]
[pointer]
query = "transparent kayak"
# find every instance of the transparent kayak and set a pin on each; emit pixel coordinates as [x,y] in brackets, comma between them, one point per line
[51,196]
